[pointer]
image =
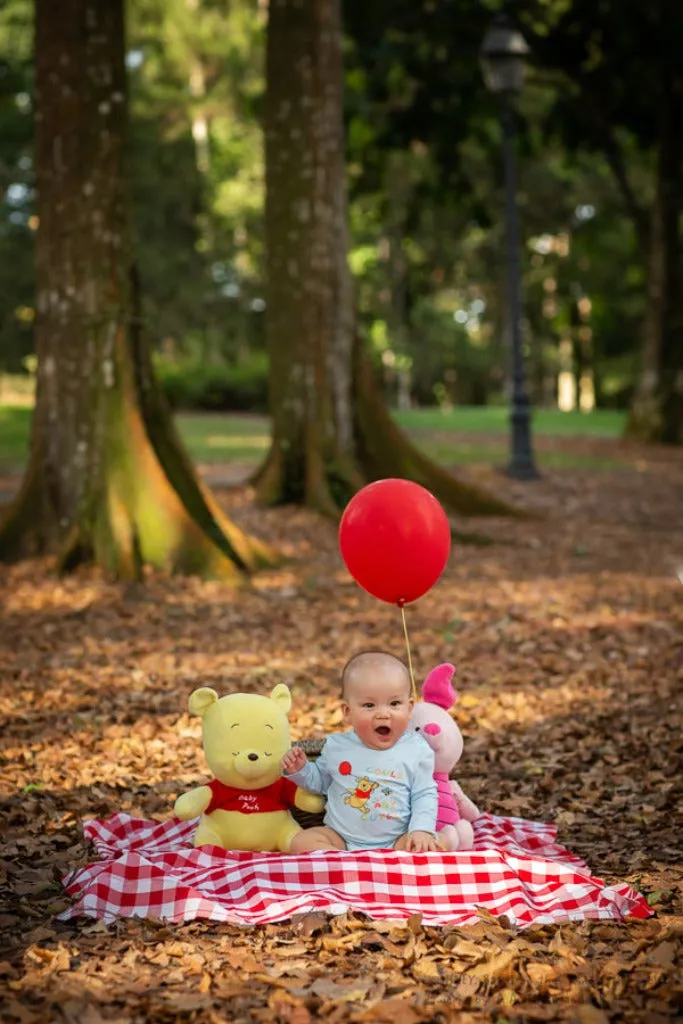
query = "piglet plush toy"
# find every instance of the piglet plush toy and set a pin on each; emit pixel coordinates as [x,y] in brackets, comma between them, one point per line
[431,719]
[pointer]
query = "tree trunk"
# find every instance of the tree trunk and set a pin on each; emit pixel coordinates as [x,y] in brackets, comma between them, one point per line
[108,480]
[656,413]
[331,430]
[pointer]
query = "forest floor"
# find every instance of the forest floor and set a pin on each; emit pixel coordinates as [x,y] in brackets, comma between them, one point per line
[568,636]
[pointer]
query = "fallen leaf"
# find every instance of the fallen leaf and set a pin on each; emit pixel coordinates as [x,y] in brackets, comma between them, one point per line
[346,992]
[41,933]
[53,959]
[311,924]
[16,1011]
[557,659]
[245,961]
[390,1011]
[540,974]
[663,954]
[291,1012]
[495,967]
[589,1014]
[468,986]
[659,896]
[426,969]
[465,950]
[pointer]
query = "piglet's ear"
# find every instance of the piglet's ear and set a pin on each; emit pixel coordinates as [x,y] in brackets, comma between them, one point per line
[437,688]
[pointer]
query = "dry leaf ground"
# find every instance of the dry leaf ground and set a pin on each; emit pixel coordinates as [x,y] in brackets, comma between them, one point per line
[567,632]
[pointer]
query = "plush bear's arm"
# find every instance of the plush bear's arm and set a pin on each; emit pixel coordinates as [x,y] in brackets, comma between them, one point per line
[310,802]
[190,805]
[468,810]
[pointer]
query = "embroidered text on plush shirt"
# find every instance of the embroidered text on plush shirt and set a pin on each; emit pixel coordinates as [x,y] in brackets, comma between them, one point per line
[277,797]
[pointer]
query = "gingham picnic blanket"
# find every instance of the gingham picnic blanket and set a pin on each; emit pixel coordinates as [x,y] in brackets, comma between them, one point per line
[516,869]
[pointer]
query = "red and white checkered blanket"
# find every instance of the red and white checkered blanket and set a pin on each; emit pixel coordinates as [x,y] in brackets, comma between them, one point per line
[149,869]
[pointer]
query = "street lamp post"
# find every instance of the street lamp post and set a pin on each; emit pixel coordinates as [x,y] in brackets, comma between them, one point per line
[503,54]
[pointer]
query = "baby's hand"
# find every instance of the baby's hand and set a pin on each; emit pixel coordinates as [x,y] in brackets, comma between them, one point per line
[421,842]
[293,761]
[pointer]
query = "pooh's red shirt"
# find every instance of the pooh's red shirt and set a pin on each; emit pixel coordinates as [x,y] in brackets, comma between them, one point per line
[277,797]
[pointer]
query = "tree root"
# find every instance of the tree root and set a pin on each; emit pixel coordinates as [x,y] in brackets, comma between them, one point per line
[386,451]
[247,552]
[21,529]
[326,483]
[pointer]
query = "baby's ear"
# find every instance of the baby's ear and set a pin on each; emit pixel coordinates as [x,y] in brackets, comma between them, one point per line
[201,700]
[282,697]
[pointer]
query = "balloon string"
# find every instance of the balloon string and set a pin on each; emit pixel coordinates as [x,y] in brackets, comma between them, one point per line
[410,660]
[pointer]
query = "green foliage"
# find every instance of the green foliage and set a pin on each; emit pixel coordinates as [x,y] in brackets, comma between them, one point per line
[198,173]
[16,185]
[453,363]
[425,184]
[427,207]
[241,387]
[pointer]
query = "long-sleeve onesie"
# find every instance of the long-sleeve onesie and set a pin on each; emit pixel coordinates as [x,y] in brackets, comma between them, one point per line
[374,796]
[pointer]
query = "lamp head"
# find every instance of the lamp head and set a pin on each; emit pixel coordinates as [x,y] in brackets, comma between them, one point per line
[503,57]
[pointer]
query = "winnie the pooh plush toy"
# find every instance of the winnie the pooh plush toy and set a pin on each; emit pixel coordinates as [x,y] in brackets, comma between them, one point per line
[246,805]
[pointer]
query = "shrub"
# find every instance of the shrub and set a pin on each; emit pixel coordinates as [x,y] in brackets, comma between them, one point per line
[192,385]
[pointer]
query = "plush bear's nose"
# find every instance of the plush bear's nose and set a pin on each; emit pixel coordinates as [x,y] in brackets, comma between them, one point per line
[253,757]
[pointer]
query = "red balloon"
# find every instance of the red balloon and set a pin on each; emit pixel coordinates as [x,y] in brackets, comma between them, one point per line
[344,768]
[395,540]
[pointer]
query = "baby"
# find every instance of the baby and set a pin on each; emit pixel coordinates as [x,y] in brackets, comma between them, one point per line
[378,778]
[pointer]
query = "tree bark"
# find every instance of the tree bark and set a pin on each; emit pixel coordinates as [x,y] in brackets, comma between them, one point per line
[656,413]
[108,480]
[331,430]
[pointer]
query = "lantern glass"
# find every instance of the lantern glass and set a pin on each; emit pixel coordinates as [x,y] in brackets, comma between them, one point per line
[503,57]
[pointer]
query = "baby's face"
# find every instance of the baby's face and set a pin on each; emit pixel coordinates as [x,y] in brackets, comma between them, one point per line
[378,704]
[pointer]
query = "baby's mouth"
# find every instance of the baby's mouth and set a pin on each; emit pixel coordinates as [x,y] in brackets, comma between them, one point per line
[383,730]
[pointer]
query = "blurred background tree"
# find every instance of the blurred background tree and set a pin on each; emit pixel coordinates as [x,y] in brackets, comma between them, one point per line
[599,201]
[108,480]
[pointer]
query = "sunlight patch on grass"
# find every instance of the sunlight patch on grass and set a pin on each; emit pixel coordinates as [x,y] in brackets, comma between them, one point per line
[237,441]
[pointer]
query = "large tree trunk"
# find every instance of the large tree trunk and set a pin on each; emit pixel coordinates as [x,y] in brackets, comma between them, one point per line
[657,410]
[108,480]
[331,430]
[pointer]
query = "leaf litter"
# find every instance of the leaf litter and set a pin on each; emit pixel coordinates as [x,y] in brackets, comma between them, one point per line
[567,635]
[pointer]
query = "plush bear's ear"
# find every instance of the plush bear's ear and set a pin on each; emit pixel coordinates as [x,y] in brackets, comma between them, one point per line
[201,700]
[282,697]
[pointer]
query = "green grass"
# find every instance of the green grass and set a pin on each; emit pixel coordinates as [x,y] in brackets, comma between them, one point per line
[14,427]
[494,420]
[211,438]
[237,438]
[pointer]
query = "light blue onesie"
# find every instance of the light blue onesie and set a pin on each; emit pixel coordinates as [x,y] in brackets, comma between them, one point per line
[374,796]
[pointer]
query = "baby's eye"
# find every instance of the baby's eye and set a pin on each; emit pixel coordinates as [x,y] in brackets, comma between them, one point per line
[396,703]
[368,705]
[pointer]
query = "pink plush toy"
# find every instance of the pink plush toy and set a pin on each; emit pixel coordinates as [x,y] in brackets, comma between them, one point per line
[430,717]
